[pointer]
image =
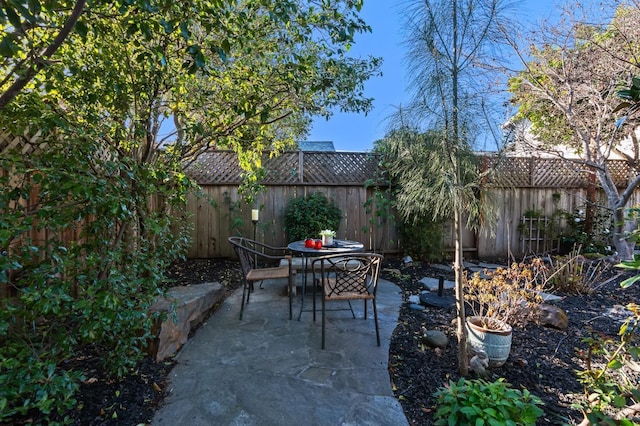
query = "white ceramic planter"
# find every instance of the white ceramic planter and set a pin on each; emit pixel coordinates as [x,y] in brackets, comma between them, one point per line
[327,240]
[496,343]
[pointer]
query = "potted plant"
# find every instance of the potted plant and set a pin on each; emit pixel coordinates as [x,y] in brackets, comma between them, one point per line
[499,299]
[327,237]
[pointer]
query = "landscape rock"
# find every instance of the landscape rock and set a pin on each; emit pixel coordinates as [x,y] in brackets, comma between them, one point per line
[549,298]
[619,313]
[416,307]
[432,284]
[185,307]
[479,363]
[552,316]
[435,339]
[443,268]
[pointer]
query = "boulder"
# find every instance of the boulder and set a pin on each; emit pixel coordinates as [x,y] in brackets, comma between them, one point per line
[552,316]
[435,339]
[184,308]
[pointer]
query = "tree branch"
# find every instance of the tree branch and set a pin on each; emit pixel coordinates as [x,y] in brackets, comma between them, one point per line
[41,62]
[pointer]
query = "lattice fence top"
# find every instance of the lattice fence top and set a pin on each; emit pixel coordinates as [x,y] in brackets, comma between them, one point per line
[355,168]
[26,144]
[326,168]
[549,172]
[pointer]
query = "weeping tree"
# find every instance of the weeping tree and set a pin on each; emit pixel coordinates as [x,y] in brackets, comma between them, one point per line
[451,45]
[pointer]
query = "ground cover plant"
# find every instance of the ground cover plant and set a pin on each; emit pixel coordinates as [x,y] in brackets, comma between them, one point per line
[477,401]
[543,361]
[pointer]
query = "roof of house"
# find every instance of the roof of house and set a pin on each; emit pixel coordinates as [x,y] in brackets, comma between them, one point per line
[319,146]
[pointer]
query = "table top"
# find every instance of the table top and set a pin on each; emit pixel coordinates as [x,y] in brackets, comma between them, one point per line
[338,246]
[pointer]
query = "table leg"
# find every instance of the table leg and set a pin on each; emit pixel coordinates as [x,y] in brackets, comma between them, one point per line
[304,284]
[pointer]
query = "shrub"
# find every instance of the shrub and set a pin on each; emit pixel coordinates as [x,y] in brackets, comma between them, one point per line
[305,217]
[506,294]
[422,240]
[612,394]
[82,289]
[594,235]
[478,402]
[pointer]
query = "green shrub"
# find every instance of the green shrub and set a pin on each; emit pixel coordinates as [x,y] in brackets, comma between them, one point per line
[422,240]
[305,217]
[85,289]
[607,378]
[478,402]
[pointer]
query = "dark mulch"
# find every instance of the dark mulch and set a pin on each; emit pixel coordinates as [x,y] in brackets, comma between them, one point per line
[543,360]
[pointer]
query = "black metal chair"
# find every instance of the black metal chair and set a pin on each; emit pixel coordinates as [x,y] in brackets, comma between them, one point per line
[250,253]
[352,276]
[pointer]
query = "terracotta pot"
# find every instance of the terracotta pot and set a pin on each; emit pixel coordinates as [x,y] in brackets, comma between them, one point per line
[494,341]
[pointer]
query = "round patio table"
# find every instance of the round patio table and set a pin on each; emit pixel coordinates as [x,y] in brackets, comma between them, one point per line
[338,246]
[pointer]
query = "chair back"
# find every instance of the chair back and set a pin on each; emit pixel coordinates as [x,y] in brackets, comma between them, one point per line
[245,250]
[354,274]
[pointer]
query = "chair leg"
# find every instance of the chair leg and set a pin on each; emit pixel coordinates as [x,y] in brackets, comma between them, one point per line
[244,292]
[365,308]
[375,318]
[323,320]
[351,307]
[290,298]
[313,298]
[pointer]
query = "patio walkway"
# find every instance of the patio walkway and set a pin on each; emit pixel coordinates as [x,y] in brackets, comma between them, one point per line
[267,370]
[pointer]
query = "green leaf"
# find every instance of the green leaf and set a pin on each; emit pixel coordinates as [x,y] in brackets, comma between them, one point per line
[629,281]
[614,364]
[7,47]
[35,8]
[469,411]
[14,19]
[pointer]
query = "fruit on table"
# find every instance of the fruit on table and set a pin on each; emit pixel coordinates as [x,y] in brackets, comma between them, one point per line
[309,243]
[318,245]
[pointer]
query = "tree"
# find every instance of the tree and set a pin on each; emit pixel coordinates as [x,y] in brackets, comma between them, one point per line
[450,45]
[243,75]
[567,91]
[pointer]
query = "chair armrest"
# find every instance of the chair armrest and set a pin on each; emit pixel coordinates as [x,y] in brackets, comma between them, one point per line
[276,251]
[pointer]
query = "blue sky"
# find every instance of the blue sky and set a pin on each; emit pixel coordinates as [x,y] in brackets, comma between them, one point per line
[356,132]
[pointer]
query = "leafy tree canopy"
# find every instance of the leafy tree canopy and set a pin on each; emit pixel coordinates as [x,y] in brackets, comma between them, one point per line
[245,75]
[568,91]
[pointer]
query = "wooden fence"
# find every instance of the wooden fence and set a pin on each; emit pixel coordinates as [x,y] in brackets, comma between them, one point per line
[518,186]
[217,213]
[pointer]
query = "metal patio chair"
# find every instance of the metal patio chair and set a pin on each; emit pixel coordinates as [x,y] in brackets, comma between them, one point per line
[251,253]
[352,276]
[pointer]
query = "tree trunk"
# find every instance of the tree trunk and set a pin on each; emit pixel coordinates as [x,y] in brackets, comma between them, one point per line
[463,361]
[623,226]
[622,229]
